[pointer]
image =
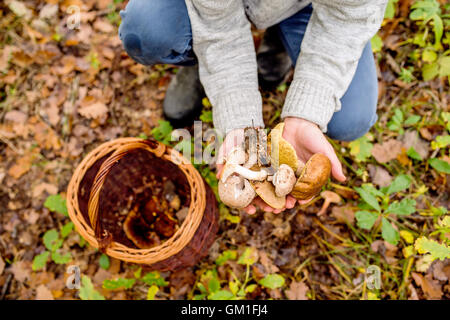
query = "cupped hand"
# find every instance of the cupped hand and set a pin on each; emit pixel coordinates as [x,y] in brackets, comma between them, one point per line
[307,139]
[235,138]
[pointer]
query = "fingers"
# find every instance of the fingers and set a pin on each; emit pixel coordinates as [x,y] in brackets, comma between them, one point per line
[250,209]
[290,202]
[305,201]
[336,166]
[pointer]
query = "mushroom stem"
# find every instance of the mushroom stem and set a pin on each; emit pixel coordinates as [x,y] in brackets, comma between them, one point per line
[243,172]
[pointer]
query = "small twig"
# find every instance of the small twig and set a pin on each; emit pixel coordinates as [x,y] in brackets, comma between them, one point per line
[6,286]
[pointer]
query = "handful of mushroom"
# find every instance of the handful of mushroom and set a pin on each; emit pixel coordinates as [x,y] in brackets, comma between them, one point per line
[245,177]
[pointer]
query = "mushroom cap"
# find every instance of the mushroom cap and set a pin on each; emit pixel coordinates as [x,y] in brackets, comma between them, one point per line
[236,192]
[330,196]
[266,191]
[284,180]
[138,231]
[313,177]
[281,151]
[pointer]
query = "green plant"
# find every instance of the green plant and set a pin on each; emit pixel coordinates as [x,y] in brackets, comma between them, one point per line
[56,203]
[152,279]
[87,291]
[432,39]
[398,121]
[163,132]
[376,205]
[53,239]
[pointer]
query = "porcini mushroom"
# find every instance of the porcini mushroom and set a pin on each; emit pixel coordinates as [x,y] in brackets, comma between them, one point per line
[236,192]
[284,180]
[313,177]
[281,151]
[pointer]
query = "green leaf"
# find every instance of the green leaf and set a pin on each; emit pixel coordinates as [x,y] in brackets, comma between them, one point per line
[272,281]
[225,256]
[119,283]
[390,9]
[388,232]
[163,131]
[56,203]
[40,261]
[61,258]
[213,285]
[361,148]
[404,207]
[400,183]
[440,165]
[430,71]
[152,292]
[50,240]
[366,219]
[429,56]
[206,116]
[438,29]
[154,277]
[248,257]
[66,229]
[221,295]
[377,43]
[372,190]
[441,142]
[369,198]
[413,154]
[87,291]
[412,120]
[436,249]
[104,261]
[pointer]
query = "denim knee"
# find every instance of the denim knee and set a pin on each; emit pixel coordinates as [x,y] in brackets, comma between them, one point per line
[157,31]
[359,104]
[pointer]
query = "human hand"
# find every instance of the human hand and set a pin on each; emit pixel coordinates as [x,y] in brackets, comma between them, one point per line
[307,139]
[235,138]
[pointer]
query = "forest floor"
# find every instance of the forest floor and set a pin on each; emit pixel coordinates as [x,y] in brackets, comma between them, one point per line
[64,92]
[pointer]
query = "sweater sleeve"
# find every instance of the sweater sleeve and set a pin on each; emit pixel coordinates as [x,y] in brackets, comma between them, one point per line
[334,40]
[224,47]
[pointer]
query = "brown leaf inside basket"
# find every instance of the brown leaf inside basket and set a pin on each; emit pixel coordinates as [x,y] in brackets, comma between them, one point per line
[122,181]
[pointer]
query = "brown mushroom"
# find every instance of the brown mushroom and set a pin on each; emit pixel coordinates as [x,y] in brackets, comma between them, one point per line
[138,231]
[266,191]
[313,177]
[330,197]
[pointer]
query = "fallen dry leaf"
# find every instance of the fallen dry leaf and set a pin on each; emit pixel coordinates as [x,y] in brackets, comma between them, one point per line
[94,111]
[431,288]
[41,187]
[379,175]
[344,214]
[21,270]
[22,166]
[297,291]
[412,139]
[387,151]
[43,293]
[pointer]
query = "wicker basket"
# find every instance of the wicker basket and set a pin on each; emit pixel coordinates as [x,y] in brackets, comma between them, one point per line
[106,178]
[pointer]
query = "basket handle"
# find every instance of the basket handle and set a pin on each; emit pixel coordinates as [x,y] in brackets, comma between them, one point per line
[103,237]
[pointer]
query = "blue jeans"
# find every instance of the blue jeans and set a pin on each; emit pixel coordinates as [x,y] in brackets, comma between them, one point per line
[159,31]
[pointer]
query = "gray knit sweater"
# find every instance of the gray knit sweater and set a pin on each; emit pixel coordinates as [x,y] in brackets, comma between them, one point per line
[332,45]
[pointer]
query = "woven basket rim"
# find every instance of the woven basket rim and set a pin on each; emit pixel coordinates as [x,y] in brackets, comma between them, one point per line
[117,250]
